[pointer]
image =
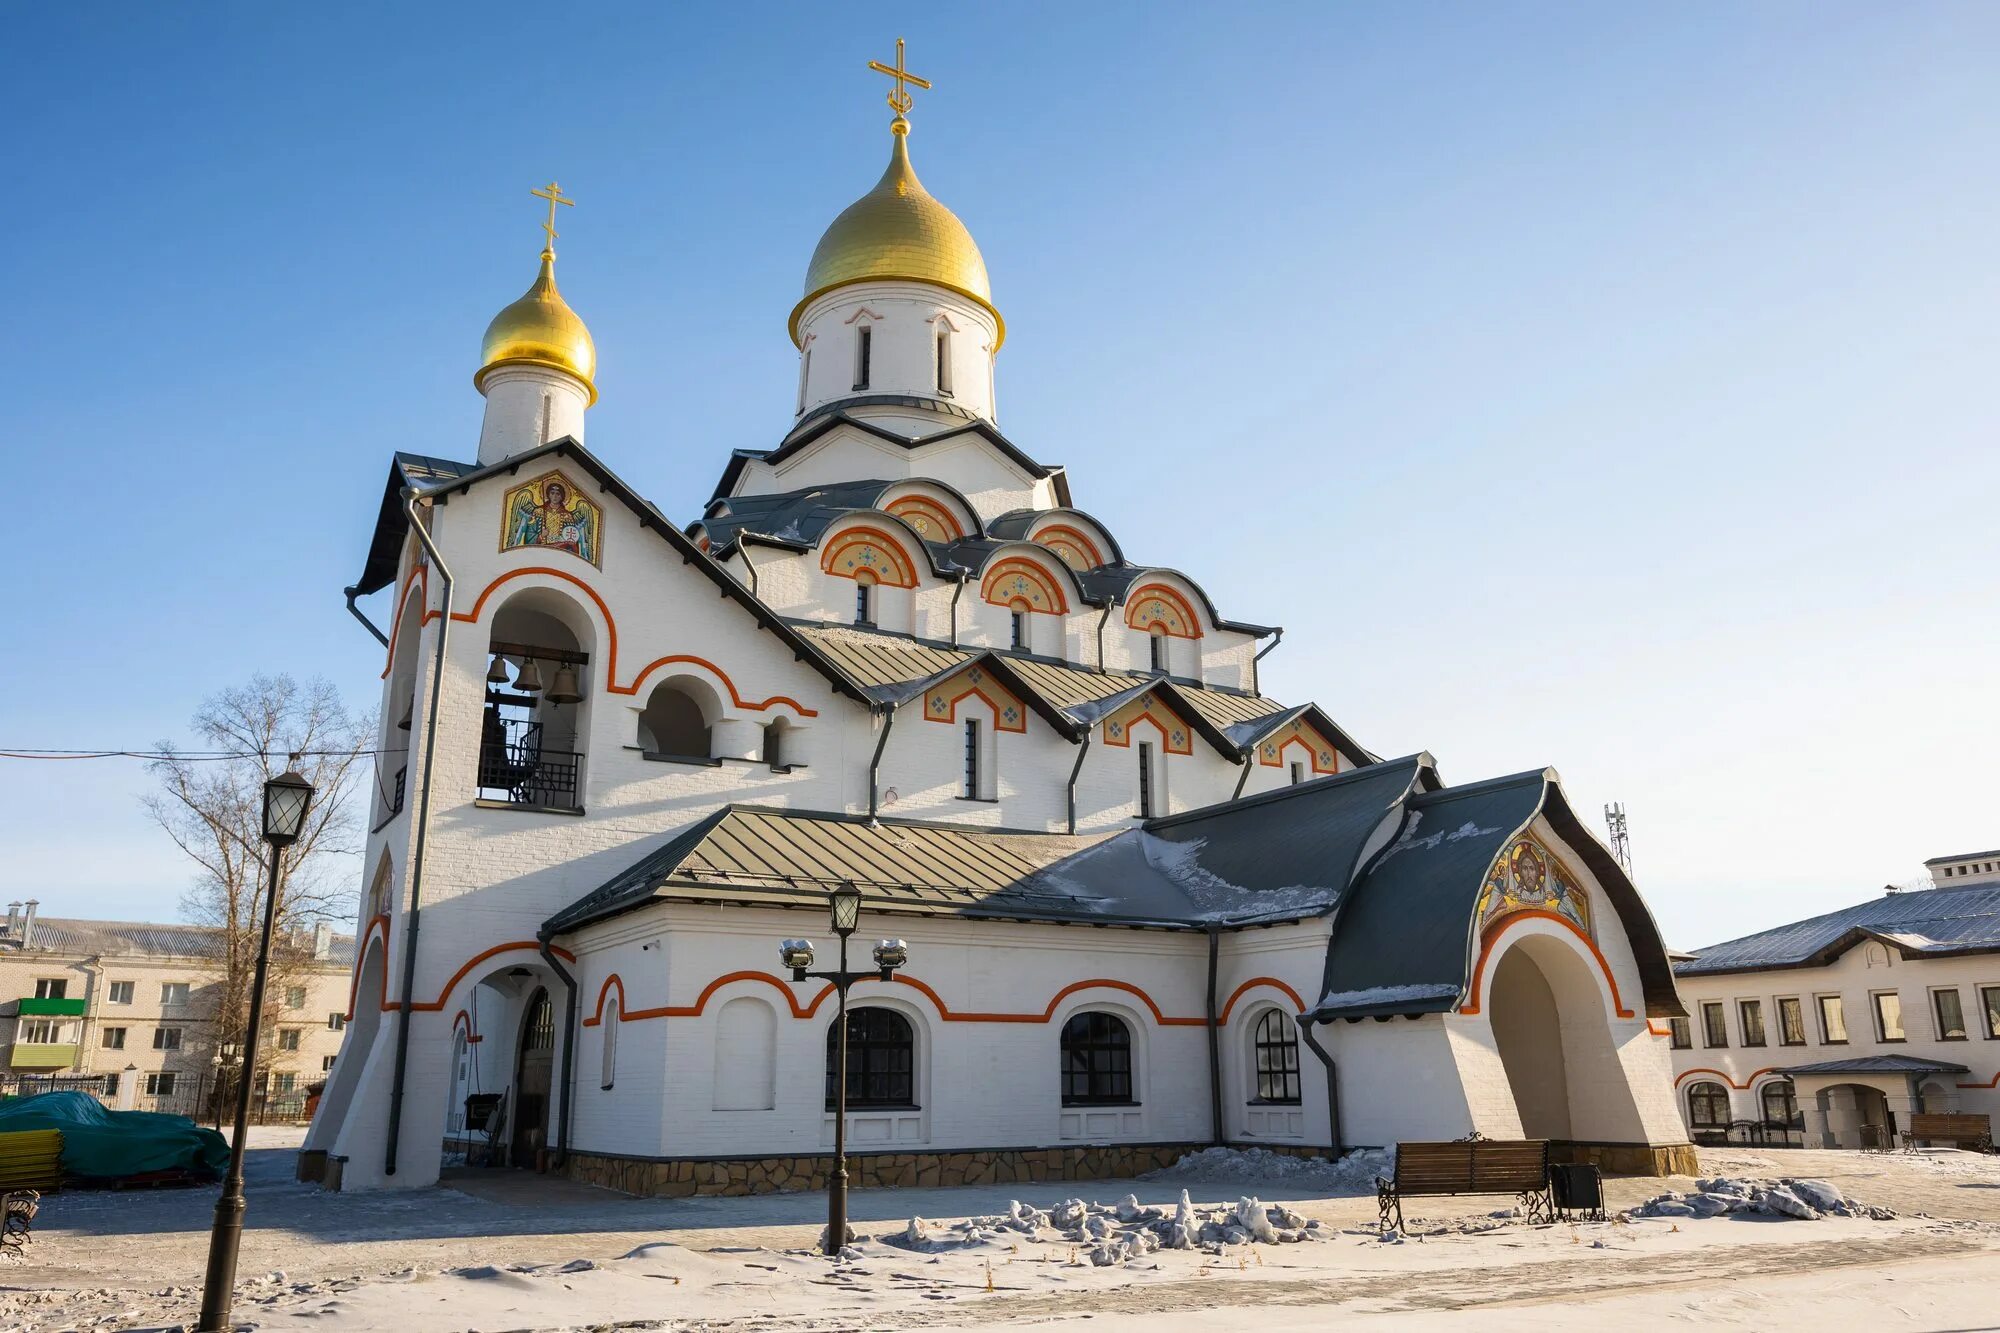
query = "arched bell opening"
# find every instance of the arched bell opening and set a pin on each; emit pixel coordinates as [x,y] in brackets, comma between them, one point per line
[535,726]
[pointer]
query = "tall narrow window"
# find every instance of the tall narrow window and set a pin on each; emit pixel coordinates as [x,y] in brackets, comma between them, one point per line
[943,359]
[1950,1012]
[1750,1016]
[805,373]
[1298,772]
[864,339]
[1708,1106]
[1017,628]
[1157,648]
[1277,1055]
[1683,1040]
[1989,999]
[972,759]
[864,602]
[1888,1015]
[1832,1020]
[608,1025]
[1714,1024]
[1096,1061]
[881,1059]
[1791,1022]
[1781,1104]
[1145,779]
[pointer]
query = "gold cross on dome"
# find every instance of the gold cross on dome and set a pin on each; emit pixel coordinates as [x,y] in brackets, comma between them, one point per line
[553,193]
[899,100]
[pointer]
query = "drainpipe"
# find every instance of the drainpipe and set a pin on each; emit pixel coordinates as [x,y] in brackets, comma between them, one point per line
[1332,1083]
[1214,1038]
[875,764]
[957,593]
[568,1074]
[1241,778]
[1100,634]
[423,831]
[1081,750]
[1276,639]
[362,616]
[743,549]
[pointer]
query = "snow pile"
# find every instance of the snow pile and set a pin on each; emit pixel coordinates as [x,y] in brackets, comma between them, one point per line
[1805,1200]
[1117,1233]
[1352,1174]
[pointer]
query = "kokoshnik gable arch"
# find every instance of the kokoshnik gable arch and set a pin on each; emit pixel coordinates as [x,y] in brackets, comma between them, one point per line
[1154,907]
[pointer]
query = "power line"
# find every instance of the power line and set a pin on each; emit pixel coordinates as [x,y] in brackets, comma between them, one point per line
[191,756]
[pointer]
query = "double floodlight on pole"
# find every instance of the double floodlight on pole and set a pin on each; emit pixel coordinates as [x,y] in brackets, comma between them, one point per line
[845,904]
[287,799]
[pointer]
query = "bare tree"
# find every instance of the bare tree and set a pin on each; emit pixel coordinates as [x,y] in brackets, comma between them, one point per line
[213,810]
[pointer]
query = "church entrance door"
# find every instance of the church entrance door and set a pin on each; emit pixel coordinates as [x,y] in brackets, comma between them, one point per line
[1548,1009]
[532,1068]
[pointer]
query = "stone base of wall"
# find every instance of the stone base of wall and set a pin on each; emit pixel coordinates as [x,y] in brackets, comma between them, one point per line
[1629,1159]
[679,1177]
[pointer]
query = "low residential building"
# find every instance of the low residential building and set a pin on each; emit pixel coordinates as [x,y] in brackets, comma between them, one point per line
[1834,1030]
[128,1000]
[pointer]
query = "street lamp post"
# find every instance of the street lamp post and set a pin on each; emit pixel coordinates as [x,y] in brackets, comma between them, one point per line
[286,800]
[798,956]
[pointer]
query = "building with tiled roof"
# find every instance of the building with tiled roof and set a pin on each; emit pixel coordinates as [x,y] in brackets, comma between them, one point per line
[1148,905]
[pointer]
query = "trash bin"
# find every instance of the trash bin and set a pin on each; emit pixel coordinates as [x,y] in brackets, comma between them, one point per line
[1578,1187]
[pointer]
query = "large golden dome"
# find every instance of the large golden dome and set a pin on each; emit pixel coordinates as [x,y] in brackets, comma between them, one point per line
[898,231]
[540,330]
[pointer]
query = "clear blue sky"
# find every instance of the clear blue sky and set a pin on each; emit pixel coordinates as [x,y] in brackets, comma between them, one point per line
[1610,387]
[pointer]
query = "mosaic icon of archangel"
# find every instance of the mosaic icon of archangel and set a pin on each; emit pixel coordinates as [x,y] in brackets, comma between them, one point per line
[548,512]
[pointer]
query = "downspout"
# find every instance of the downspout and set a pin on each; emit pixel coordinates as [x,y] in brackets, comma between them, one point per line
[1277,638]
[743,549]
[568,1074]
[423,831]
[1332,1083]
[875,764]
[1214,1038]
[1100,635]
[957,593]
[362,616]
[1081,750]
[1243,778]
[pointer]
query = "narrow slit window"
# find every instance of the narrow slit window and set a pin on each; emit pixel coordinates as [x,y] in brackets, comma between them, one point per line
[1888,1016]
[805,374]
[864,603]
[1714,1025]
[943,359]
[1017,628]
[1157,648]
[1750,1017]
[972,759]
[1298,772]
[1791,1022]
[1145,779]
[864,340]
[1950,1014]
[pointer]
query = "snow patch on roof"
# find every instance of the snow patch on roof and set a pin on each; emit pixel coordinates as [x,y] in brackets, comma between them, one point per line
[1375,997]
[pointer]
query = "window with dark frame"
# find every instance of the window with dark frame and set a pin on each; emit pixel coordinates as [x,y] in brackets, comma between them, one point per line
[120,993]
[166,1039]
[160,1085]
[864,602]
[1708,1106]
[1298,772]
[943,359]
[52,988]
[1277,1053]
[1989,1000]
[1714,1024]
[1791,1021]
[881,1060]
[1888,1015]
[288,1039]
[1781,1103]
[1949,1010]
[1750,1017]
[336,1022]
[1145,779]
[1683,1036]
[1832,1020]
[114,1039]
[774,744]
[1096,1061]
[864,346]
[1017,628]
[971,759]
[1156,647]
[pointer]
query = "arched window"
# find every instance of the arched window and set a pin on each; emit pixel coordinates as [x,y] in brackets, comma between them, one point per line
[864,347]
[1156,646]
[1708,1106]
[775,732]
[944,358]
[608,1025]
[1276,1049]
[1781,1102]
[1096,1061]
[674,724]
[881,1059]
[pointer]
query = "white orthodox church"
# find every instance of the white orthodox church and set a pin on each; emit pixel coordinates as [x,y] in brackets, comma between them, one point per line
[1148,908]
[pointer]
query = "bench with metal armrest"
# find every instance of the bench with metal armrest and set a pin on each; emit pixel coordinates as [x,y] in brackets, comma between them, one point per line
[1480,1166]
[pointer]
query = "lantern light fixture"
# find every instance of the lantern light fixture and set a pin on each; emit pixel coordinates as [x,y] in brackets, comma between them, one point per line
[890,955]
[287,797]
[846,903]
[797,955]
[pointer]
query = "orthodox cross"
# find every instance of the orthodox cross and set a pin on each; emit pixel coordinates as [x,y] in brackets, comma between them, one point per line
[553,193]
[899,100]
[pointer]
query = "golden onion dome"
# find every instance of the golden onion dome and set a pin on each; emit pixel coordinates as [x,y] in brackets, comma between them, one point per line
[897,231]
[540,330]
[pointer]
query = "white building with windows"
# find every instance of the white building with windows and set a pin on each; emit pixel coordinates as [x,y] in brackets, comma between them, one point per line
[1833,1031]
[1148,907]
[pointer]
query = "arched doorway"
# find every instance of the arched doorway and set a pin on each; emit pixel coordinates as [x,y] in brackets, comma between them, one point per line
[1548,1008]
[533,1063]
[1856,1116]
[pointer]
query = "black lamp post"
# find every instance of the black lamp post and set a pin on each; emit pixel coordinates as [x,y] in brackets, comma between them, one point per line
[798,956]
[287,797]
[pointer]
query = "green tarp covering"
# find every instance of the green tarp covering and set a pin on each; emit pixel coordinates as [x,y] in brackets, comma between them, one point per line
[102,1144]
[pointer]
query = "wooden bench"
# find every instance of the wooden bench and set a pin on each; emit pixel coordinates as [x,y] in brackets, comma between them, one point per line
[17,1218]
[1967,1131]
[31,1159]
[1480,1166]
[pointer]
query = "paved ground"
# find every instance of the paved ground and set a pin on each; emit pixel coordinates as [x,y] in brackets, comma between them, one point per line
[130,1259]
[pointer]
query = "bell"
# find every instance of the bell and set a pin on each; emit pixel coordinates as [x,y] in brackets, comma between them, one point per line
[530,679]
[562,690]
[497,673]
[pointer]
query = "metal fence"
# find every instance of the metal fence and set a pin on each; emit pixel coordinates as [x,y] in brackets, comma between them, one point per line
[204,1096]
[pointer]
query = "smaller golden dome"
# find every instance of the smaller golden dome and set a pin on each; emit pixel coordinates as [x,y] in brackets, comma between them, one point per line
[540,330]
[898,231]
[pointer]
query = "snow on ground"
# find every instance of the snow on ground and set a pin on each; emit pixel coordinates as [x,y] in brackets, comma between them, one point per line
[1353,1174]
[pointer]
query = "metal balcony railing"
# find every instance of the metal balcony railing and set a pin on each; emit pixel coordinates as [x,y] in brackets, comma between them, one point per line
[516,770]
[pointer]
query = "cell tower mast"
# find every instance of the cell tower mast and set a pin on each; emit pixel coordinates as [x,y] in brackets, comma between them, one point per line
[1621,837]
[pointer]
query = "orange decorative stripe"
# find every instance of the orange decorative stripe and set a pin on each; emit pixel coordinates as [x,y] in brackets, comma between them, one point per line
[464,1019]
[402,605]
[1504,924]
[1993,1082]
[945,1013]
[611,685]
[1271,750]
[1740,1087]
[923,507]
[899,572]
[1157,604]
[597,1014]
[1061,537]
[1658,1031]
[1042,594]
[1229,1005]
[437,1005]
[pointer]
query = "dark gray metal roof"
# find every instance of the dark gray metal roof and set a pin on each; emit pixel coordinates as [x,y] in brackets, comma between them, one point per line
[1014,525]
[1962,856]
[1282,855]
[1925,923]
[800,516]
[1877,1064]
[830,416]
[132,939]
[385,548]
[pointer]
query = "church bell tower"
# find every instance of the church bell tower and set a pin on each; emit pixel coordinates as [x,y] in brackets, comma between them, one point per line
[537,363]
